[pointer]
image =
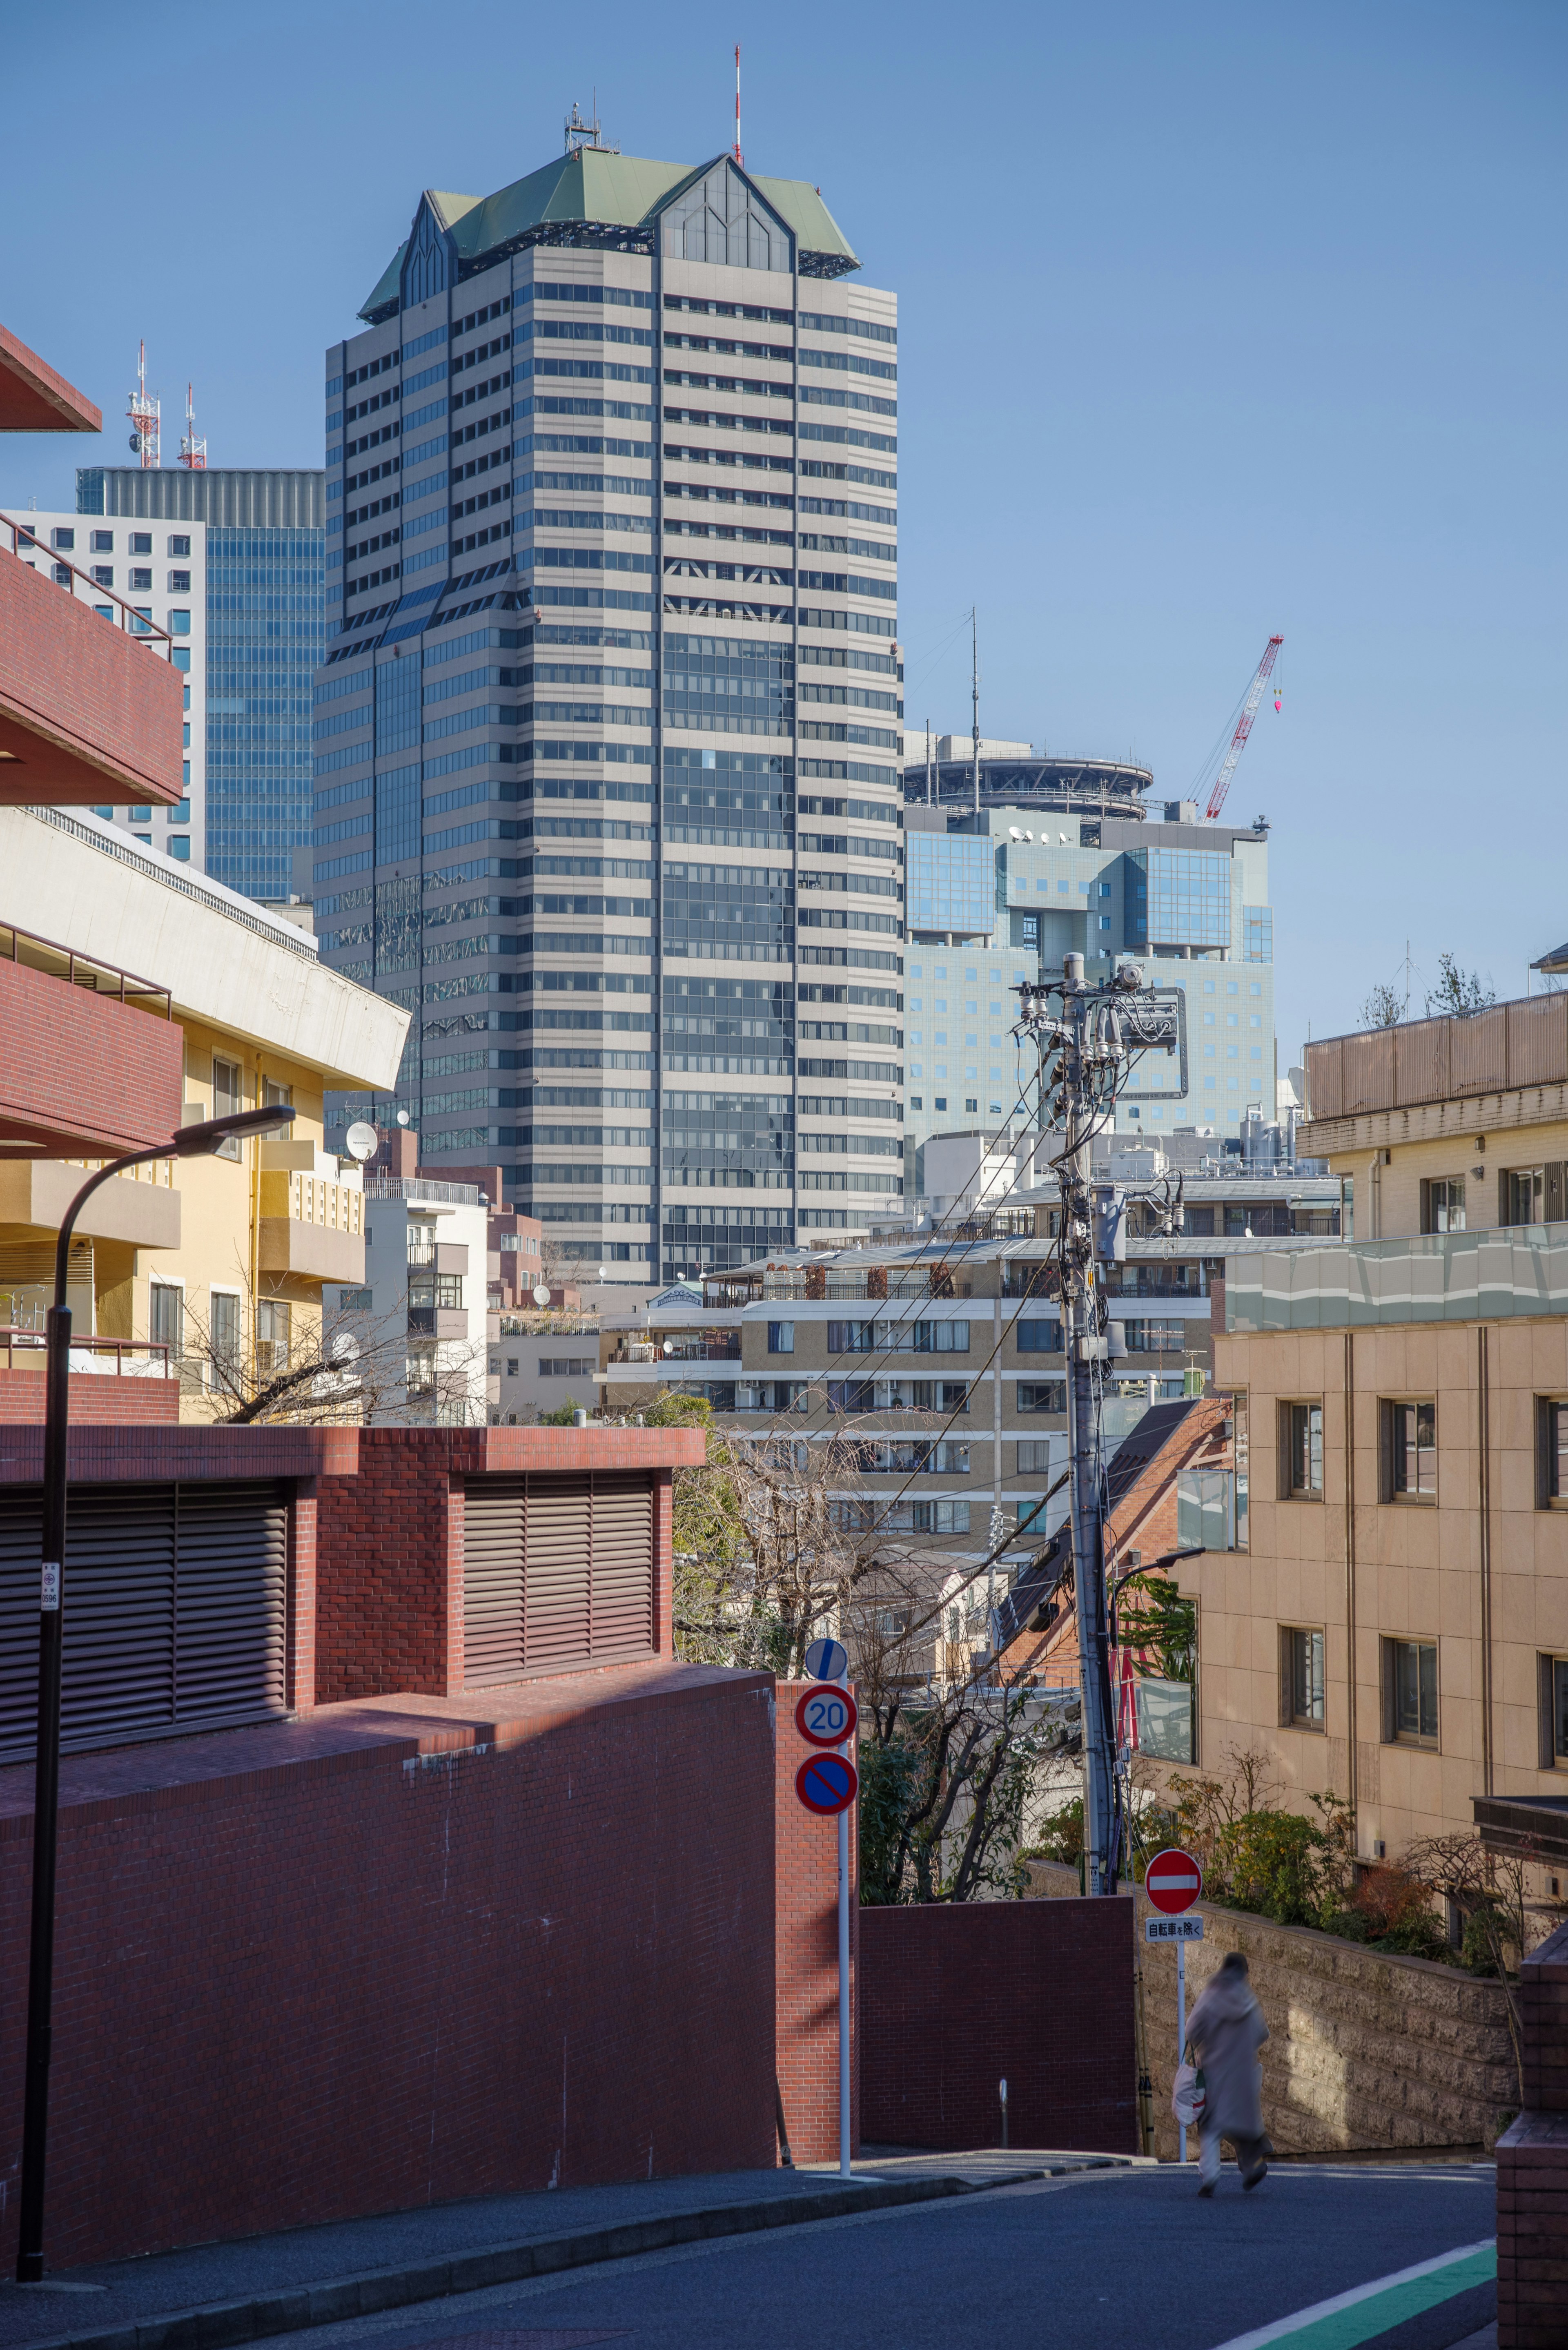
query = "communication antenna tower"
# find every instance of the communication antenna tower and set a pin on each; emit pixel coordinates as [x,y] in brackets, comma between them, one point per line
[581,134]
[193,452]
[736,151]
[974,700]
[146,418]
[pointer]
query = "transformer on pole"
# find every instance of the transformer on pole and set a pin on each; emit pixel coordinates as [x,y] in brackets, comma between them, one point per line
[1085,1053]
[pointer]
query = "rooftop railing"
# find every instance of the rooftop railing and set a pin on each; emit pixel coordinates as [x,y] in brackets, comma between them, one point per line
[128,618]
[78,970]
[143,1358]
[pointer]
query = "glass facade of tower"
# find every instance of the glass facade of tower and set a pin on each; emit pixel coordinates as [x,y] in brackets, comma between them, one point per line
[265,631]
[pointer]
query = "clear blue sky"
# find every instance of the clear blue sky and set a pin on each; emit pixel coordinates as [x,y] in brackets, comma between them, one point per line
[1216,321]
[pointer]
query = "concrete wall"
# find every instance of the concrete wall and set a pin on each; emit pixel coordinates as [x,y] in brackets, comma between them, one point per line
[390,1956]
[956,1996]
[1366,2050]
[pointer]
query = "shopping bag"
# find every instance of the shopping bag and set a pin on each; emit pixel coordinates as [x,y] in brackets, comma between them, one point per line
[1187,2097]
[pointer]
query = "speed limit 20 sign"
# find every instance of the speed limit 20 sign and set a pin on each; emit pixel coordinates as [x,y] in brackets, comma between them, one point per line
[827,1715]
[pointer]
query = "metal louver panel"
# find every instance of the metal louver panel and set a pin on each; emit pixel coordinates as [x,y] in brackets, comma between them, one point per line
[623,1564]
[558,1574]
[175,1601]
[556,1558]
[233,1592]
[493,1579]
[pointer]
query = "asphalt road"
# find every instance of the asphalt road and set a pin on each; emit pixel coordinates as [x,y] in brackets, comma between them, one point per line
[1111,2261]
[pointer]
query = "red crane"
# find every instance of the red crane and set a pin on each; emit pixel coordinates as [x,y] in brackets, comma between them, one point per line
[1243,727]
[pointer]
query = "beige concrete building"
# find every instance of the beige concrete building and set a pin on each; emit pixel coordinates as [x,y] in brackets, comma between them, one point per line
[1398,1628]
[179,1261]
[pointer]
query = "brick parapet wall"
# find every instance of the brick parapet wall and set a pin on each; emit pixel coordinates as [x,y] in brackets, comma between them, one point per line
[807,1946]
[425,1951]
[188,1455]
[83,1072]
[1368,2050]
[958,1997]
[97,1399]
[87,711]
[1532,2166]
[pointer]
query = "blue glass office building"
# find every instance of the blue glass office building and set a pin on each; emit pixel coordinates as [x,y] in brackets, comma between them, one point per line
[265,631]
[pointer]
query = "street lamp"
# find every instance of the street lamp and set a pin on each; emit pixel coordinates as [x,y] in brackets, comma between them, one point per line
[187,1142]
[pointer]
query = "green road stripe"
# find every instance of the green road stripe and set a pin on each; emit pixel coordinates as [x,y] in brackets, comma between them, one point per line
[1362,2314]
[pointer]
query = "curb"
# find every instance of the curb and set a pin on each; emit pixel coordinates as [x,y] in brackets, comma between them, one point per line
[219,2324]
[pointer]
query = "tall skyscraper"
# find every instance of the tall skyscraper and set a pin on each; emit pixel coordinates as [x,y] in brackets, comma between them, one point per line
[606,738]
[253,554]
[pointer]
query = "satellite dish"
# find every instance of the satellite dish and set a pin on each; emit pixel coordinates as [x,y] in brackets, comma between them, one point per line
[402,1118]
[541,1295]
[361,1142]
[604,1273]
[669,1346]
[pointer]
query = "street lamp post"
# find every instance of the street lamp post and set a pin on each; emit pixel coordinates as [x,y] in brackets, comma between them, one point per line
[187,1142]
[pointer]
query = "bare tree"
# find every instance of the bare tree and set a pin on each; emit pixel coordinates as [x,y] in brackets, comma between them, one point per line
[1384,1007]
[1461,994]
[270,1366]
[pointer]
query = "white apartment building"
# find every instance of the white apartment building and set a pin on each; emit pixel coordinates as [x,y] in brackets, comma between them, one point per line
[421,1318]
[161,569]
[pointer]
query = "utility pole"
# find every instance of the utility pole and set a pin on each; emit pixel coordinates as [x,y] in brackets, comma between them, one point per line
[1085,1054]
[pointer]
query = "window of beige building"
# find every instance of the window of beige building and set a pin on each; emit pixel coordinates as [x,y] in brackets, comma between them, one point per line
[1301,1677]
[1409,1433]
[1552,1451]
[1243,1442]
[1411,1692]
[1553,1713]
[1522,1195]
[225,1328]
[1300,1452]
[272,1336]
[1443,1205]
[226,1101]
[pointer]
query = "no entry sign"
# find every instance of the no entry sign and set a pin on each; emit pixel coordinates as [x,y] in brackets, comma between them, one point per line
[1174,1881]
[826,1716]
[826,1784]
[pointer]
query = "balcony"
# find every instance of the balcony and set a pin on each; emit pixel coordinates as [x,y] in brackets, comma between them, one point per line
[438,1322]
[93,1064]
[92,707]
[311,1226]
[113,1381]
[36,1193]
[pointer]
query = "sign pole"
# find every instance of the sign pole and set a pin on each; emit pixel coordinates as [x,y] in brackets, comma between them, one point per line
[845,2170]
[1181,2020]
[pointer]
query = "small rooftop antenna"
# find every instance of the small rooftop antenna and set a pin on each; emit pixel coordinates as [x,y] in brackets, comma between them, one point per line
[738,158]
[146,418]
[580,134]
[974,696]
[193,452]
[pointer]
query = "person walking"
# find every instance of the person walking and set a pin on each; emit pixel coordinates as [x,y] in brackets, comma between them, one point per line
[1225,2031]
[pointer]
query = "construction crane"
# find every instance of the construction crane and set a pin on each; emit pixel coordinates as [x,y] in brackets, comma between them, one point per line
[1243,727]
[192,452]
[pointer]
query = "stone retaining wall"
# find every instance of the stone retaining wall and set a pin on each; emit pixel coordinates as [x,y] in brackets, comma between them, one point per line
[1366,2050]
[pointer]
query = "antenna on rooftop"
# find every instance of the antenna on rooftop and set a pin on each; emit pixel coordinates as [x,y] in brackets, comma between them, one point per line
[193,452]
[146,418]
[581,135]
[738,158]
[974,694]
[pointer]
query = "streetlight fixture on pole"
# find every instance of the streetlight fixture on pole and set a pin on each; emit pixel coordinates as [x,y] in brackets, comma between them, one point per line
[187,1142]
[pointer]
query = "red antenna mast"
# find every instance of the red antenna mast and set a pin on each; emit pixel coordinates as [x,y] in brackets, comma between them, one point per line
[146,418]
[737,147]
[193,452]
[1243,727]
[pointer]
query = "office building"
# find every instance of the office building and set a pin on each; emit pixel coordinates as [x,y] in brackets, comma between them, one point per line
[254,607]
[1067,856]
[159,572]
[611,487]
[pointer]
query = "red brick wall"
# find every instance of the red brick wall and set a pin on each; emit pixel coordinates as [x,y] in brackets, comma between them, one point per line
[1532,2166]
[808,2004]
[955,1998]
[327,1969]
[84,1068]
[96,1400]
[390,1587]
[88,712]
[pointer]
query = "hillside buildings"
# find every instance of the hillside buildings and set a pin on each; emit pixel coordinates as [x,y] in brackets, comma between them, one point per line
[606,753]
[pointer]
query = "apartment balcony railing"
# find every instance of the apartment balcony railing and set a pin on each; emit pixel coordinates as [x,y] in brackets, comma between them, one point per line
[125,1359]
[83,589]
[78,970]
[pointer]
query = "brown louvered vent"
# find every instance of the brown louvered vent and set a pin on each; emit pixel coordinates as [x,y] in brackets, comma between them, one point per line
[174,1612]
[557,1573]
